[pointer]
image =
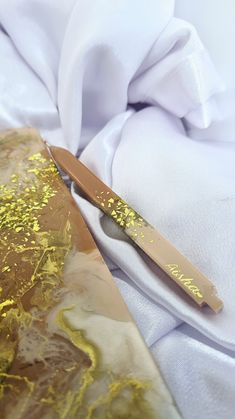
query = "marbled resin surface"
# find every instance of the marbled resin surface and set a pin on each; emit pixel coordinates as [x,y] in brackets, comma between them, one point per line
[68,346]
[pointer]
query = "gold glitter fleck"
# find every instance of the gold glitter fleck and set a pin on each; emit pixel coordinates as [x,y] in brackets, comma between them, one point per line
[6,269]
[124,215]
[17,208]
[18,229]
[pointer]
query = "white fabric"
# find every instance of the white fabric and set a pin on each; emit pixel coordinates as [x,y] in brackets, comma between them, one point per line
[124,85]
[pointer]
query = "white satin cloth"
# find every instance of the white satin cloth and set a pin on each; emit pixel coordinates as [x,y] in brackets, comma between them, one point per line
[129,87]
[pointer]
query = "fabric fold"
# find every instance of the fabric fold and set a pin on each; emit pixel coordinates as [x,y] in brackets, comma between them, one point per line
[132,91]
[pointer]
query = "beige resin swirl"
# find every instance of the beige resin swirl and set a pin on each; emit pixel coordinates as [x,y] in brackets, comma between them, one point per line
[68,346]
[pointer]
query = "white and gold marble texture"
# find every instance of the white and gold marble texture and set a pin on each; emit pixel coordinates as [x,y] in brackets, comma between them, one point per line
[69,347]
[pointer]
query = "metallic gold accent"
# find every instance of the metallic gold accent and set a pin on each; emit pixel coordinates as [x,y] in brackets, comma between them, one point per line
[47,365]
[188,283]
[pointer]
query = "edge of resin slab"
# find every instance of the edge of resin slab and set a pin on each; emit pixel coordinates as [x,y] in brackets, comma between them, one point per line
[68,345]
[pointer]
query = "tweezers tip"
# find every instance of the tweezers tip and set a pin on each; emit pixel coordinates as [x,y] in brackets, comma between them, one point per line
[215,303]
